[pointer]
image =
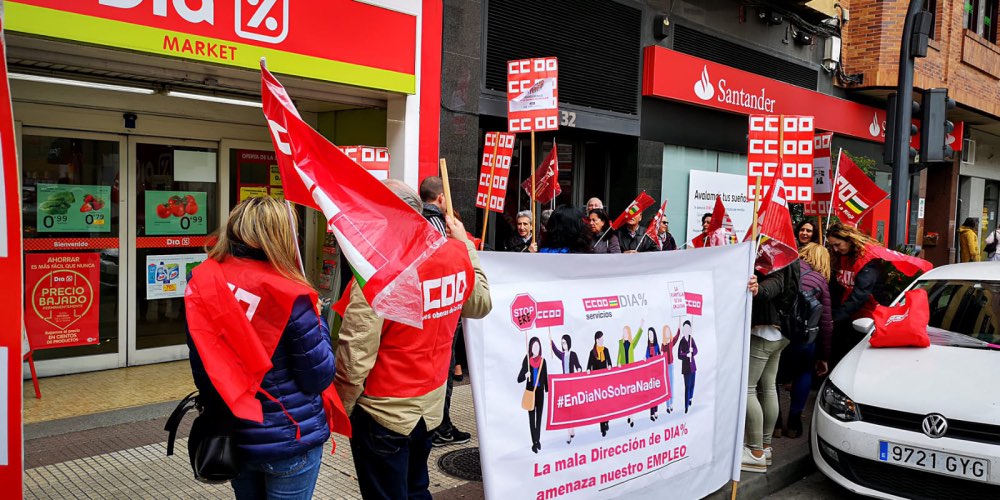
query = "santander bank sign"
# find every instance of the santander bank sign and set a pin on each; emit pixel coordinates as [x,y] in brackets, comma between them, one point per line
[668,74]
[752,101]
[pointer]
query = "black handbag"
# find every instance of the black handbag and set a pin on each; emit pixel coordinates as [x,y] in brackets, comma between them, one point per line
[211,447]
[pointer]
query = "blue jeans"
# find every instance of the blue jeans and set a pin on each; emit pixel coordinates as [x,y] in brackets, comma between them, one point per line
[801,361]
[390,466]
[288,479]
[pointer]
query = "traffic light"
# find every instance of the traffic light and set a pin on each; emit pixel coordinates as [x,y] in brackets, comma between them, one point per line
[890,131]
[935,126]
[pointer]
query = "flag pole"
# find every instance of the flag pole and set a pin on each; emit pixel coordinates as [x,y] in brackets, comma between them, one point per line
[821,225]
[295,237]
[489,189]
[602,236]
[534,233]
[447,189]
[756,216]
[736,487]
[833,191]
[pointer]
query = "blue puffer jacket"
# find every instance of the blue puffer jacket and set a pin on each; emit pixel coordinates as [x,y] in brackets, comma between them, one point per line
[303,368]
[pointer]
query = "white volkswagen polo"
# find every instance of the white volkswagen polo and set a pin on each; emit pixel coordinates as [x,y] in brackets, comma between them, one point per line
[921,423]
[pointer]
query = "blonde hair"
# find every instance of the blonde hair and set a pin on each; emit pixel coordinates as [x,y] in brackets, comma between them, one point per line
[265,224]
[852,235]
[817,257]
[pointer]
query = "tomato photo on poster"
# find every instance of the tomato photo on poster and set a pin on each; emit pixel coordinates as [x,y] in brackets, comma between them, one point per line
[63,294]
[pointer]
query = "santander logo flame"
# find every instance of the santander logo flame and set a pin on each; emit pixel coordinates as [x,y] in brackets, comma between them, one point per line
[874,129]
[703,88]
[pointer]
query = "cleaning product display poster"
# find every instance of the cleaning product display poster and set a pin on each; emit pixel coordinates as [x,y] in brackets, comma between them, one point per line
[166,275]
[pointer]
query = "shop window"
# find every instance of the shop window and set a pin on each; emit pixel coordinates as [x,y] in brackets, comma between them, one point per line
[981,17]
[69,189]
[177,203]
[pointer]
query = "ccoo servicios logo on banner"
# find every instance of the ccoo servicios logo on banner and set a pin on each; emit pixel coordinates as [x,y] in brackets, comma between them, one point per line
[602,307]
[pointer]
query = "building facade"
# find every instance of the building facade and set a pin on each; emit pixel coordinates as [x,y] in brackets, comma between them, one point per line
[964,57]
[139,127]
[631,116]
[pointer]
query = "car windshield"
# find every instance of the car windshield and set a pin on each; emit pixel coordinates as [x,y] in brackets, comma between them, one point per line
[964,313]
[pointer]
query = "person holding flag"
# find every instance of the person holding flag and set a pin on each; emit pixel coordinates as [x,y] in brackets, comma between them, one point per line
[631,216]
[658,231]
[774,286]
[392,377]
[701,240]
[599,222]
[858,269]
[720,229]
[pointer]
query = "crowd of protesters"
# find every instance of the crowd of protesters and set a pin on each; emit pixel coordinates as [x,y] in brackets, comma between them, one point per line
[397,417]
[569,229]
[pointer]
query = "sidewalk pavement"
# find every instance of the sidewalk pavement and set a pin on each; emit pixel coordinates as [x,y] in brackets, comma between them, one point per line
[122,454]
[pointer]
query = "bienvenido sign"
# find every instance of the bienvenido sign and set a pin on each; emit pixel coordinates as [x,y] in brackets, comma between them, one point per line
[672,75]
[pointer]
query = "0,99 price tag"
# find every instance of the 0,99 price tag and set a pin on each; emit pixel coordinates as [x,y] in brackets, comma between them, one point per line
[65,208]
[175,212]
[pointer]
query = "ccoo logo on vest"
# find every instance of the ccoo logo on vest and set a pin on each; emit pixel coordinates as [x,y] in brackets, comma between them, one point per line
[526,313]
[445,291]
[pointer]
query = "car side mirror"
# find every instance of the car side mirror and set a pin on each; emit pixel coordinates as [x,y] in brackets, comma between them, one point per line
[863,325]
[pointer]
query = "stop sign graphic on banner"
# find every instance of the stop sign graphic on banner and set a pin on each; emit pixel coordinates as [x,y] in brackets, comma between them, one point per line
[523,310]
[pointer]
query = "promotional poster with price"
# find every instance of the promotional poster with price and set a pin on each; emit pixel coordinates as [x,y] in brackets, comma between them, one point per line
[64,208]
[175,212]
[610,380]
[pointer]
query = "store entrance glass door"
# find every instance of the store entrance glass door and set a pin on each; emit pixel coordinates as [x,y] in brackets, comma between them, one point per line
[175,209]
[73,238]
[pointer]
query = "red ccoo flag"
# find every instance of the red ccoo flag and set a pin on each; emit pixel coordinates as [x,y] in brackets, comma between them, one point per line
[776,248]
[546,179]
[640,203]
[383,238]
[720,230]
[653,230]
[854,194]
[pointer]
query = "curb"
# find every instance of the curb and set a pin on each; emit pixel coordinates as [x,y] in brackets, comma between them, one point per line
[797,465]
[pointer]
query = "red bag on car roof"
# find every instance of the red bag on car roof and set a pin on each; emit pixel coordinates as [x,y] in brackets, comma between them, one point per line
[903,325]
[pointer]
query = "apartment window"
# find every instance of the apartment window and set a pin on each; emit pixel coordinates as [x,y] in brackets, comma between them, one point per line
[931,6]
[981,18]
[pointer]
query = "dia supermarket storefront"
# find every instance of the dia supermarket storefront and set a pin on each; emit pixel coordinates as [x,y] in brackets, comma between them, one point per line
[139,127]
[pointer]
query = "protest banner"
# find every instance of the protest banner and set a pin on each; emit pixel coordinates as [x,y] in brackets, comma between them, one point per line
[822,177]
[606,408]
[781,143]
[704,188]
[532,95]
[495,171]
[533,103]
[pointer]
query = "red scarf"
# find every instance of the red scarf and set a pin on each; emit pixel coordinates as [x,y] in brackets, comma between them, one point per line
[236,350]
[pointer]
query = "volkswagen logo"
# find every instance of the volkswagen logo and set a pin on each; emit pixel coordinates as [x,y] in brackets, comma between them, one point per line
[935,425]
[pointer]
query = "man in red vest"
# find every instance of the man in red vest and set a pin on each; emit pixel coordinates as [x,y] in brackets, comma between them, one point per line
[392,377]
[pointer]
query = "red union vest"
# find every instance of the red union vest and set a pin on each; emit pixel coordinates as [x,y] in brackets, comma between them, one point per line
[847,271]
[219,301]
[414,361]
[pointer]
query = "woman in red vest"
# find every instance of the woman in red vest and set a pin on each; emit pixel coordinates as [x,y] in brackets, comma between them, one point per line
[857,273]
[261,356]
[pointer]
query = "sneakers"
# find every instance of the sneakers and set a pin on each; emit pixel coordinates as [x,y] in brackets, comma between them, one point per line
[752,463]
[454,437]
[767,455]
